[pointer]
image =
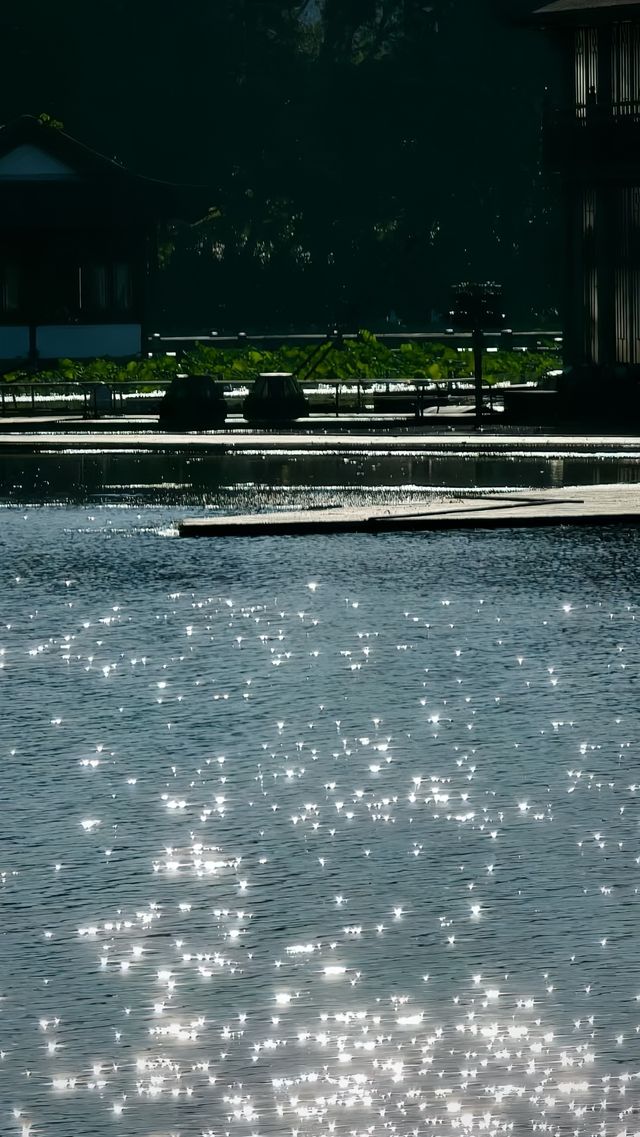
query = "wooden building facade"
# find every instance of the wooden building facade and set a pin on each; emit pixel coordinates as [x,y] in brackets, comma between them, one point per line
[592,141]
[77,237]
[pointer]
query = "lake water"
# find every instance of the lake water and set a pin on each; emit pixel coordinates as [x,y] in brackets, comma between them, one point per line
[333,835]
[247,481]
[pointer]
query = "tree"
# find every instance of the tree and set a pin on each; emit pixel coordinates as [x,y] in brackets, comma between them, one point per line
[359,154]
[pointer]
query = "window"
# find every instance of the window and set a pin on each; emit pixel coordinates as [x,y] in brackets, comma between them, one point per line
[627,275]
[105,288]
[94,288]
[590,271]
[122,292]
[586,69]
[9,288]
[625,68]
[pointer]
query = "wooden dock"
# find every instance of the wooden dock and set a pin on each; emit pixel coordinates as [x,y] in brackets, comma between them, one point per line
[586,505]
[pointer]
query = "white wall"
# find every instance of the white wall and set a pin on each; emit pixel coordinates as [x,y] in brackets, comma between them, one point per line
[14,343]
[87,341]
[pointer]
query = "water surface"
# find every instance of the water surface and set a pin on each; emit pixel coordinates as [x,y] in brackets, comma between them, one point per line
[249,481]
[317,836]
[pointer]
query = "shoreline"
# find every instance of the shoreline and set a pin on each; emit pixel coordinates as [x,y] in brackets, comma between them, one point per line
[476,507]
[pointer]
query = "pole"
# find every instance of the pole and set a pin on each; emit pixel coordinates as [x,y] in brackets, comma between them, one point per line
[478,343]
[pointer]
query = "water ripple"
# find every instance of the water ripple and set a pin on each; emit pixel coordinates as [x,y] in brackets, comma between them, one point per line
[326,836]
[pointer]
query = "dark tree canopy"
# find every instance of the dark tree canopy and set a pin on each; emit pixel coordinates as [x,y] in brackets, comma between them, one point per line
[359,155]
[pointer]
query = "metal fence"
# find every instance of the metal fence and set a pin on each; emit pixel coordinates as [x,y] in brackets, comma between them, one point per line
[326,396]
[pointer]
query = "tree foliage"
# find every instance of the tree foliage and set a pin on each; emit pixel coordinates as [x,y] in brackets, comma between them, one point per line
[358,155]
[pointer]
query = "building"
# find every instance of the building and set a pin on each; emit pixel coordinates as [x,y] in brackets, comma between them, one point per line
[77,237]
[592,141]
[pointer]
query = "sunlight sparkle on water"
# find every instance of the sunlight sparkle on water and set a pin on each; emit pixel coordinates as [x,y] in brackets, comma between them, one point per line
[365,918]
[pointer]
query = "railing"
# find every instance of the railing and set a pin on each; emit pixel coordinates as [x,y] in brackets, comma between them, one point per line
[160,345]
[607,133]
[18,398]
[326,396]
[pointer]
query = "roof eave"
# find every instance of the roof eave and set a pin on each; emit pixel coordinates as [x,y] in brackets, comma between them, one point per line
[551,15]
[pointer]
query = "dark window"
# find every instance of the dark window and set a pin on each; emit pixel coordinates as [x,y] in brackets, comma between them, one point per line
[9,288]
[105,288]
[122,291]
[95,294]
[625,68]
[586,69]
[55,290]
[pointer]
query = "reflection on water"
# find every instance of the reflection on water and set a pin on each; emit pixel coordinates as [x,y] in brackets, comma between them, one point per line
[289,848]
[247,481]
